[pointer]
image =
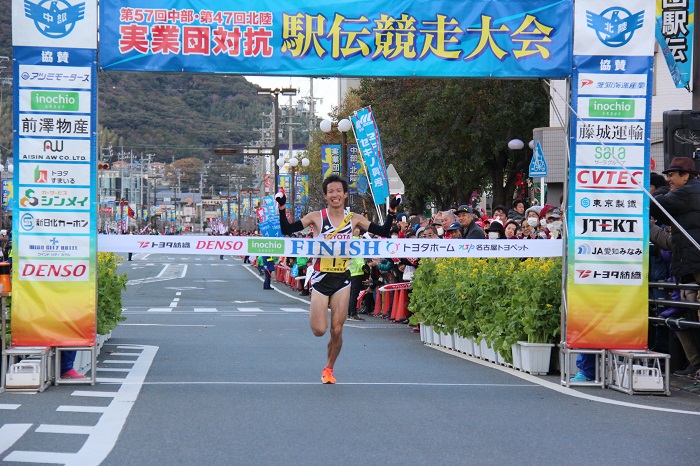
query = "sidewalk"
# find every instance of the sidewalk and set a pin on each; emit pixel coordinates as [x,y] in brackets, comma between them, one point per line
[685,384]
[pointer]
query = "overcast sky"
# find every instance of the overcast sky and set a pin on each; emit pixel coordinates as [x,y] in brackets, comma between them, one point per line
[325,89]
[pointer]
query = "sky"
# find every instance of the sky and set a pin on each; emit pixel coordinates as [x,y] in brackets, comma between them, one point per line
[325,89]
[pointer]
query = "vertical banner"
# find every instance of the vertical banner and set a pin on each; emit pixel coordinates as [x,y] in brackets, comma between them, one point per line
[367,135]
[55,111]
[608,213]
[355,167]
[675,26]
[301,194]
[330,160]
[268,217]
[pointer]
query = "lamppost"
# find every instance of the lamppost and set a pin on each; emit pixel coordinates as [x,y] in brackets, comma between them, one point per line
[343,126]
[518,144]
[276,92]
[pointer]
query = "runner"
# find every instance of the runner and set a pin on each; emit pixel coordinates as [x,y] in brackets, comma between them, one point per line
[330,279]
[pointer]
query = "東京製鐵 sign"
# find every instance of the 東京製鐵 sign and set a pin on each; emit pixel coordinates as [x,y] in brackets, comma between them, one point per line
[449,38]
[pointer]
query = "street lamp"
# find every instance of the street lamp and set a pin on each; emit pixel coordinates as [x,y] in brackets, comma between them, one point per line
[292,162]
[343,126]
[518,144]
[276,92]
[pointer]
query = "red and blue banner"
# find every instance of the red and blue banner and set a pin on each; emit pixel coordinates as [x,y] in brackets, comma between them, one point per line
[432,38]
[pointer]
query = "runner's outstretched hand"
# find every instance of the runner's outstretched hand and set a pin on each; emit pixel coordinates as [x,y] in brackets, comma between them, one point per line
[281,198]
[395,202]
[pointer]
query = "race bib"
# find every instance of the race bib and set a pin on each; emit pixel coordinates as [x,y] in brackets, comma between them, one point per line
[334,264]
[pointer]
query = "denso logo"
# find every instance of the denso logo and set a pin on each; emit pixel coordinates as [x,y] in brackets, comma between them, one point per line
[220,245]
[54,271]
[609,179]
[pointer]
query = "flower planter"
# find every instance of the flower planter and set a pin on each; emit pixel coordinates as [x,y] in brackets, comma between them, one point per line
[428,334]
[487,352]
[517,358]
[423,337]
[477,349]
[459,343]
[469,346]
[436,337]
[447,340]
[535,357]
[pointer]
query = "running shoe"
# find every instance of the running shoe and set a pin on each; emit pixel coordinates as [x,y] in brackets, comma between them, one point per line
[580,377]
[327,375]
[72,374]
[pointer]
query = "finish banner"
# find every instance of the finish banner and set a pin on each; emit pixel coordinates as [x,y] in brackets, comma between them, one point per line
[304,247]
[608,213]
[430,38]
[54,282]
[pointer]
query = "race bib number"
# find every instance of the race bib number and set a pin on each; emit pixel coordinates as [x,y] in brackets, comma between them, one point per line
[334,264]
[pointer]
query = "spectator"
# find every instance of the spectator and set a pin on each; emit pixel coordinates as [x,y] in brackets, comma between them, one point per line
[517,212]
[470,230]
[656,181]
[496,230]
[356,276]
[682,202]
[454,231]
[402,223]
[511,229]
[554,223]
[67,370]
[499,212]
[527,231]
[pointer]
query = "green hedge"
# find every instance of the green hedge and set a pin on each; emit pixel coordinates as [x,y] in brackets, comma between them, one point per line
[501,300]
[109,294]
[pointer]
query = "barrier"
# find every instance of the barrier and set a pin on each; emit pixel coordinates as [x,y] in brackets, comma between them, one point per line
[399,306]
[5,277]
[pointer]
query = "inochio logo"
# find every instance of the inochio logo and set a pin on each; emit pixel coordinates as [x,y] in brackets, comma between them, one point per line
[56,101]
[56,21]
[272,247]
[611,108]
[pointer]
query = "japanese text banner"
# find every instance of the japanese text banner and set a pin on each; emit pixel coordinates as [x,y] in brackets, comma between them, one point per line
[459,38]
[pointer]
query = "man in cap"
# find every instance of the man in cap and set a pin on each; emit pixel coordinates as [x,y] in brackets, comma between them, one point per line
[454,231]
[465,217]
[402,222]
[683,203]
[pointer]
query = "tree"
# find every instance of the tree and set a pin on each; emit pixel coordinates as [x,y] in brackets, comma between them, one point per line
[449,137]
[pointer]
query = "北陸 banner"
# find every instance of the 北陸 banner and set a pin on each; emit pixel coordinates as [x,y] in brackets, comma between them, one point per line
[608,213]
[432,38]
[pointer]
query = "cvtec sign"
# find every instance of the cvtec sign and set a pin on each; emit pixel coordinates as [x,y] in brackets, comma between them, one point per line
[587,178]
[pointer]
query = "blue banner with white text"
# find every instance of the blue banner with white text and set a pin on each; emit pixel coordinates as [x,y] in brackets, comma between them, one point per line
[431,38]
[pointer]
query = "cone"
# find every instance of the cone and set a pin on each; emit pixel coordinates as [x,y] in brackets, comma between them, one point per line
[5,277]
[378,304]
[400,311]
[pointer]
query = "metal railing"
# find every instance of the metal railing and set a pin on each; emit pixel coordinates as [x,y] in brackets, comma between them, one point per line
[670,321]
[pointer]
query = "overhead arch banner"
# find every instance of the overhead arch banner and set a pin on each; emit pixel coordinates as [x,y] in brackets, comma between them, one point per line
[429,38]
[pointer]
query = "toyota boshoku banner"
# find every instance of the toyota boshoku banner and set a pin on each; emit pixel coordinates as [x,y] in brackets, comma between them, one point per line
[607,286]
[54,223]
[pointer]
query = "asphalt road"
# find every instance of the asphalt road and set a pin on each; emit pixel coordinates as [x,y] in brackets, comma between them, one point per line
[210,369]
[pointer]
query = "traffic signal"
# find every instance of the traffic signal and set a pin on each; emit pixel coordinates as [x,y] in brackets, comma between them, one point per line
[681,136]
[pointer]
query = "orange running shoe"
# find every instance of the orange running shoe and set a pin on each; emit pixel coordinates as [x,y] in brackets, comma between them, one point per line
[327,375]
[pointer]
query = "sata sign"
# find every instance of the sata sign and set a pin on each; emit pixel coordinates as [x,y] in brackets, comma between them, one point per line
[587,178]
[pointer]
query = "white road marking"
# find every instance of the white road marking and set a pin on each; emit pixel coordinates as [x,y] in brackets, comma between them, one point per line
[205,309]
[112,369]
[250,309]
[10,433]
[81,409]
[179,293]
[160,309]
[243,302]
[116,361]
[167,325]
[176,300]
[173,304]
[294,309]
[9,407]
[94,394]
[125,354]
[61,429]
[277,289]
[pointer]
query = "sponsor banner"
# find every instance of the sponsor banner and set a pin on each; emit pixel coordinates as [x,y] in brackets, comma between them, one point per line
[675,26]
[303,247]
[55,126]
[610,132]
[603,85]
[606,28]
[609,227]
[42,100]
[608,202]
[612,107]
[53,271]
[44,199]
[609,178]
[610,155]
[49,77]
[614,274]
[55,222]
[63,174]
[66,23]
[74,247]
[455,38]
[7,191]
[607,260]
[331,157]
[67,150]
[367,135]
[608,251]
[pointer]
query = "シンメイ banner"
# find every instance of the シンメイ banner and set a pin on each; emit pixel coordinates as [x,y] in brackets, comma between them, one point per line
[450,38]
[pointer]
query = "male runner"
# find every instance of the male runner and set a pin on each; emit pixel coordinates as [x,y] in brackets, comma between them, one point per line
[330,279]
